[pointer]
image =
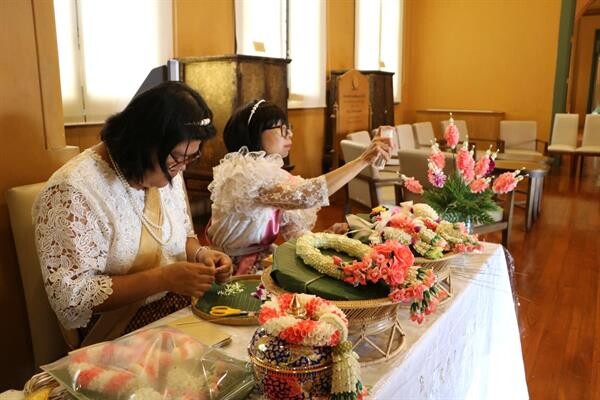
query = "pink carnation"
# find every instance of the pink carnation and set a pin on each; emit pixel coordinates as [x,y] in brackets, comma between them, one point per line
[451,135]
[465,164]
[482,166]
[412,185]
[506,182]
[479,185]
[438,159]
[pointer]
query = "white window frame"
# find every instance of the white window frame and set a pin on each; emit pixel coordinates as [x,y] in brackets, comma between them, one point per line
[378,38]
[294,29]
[106,49]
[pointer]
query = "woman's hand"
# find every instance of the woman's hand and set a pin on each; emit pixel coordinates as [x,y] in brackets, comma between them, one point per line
[188,279]
[220,261]
[379,146]
[339,228]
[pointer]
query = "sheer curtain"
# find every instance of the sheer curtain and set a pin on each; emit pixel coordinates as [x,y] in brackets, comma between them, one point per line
[106,49]
[378,38]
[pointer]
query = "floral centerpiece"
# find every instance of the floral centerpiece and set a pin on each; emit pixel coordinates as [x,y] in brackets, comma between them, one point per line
[466,195]
[419,227]
[390,262]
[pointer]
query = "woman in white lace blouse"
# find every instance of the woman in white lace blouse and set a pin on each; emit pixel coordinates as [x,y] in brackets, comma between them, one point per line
[254,199]
[112,226]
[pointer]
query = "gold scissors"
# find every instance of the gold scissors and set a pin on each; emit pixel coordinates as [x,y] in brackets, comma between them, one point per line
[224,311]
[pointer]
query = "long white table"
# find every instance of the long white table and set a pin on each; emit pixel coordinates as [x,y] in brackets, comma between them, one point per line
[469,349]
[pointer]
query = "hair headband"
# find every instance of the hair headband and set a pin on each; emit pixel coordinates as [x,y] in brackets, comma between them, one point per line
[203,122]
[254,108]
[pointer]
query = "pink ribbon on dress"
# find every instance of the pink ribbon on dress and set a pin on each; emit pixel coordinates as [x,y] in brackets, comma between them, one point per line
[248,261]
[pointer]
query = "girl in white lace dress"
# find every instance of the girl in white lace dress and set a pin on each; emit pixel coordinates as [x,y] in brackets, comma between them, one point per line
[254,199]
[112,226]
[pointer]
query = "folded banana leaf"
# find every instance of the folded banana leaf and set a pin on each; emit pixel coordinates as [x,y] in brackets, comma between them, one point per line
[291,274]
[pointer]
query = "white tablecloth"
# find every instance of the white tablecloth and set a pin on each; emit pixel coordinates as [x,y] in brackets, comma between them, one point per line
[469,349]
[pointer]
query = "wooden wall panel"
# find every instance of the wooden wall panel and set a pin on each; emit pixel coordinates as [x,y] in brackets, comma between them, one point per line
[33,146]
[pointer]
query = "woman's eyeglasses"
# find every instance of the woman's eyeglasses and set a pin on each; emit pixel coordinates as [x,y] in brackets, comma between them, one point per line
[285,131]
[186,160]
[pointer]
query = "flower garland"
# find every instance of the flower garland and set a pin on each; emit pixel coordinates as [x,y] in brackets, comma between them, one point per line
[390,262]
[308,245]
[324,325]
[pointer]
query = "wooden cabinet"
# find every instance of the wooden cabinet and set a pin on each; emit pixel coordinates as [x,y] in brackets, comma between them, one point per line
[225,83]
[381,98]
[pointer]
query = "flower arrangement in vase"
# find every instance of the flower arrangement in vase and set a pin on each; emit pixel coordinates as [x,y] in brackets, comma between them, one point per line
[467,194]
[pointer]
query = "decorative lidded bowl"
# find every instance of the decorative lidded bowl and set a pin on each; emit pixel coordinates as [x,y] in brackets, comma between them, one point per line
[286,370]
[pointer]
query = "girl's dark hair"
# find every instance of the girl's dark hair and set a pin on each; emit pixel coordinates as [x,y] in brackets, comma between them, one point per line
[152,124]
[238,132]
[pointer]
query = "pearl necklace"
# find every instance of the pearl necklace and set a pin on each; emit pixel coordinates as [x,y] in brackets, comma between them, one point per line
[146,222]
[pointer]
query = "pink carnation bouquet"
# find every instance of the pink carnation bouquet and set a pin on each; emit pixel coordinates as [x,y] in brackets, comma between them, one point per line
[467,194]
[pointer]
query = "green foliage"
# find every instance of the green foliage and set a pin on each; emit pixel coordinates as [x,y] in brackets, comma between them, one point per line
[456,203]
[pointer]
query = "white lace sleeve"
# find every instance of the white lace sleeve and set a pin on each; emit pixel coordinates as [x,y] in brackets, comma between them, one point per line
[296,193]
[295,223]
[72,243]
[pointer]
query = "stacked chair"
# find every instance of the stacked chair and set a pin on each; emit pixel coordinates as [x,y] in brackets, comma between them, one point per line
[590,145]
[406,137]
[520,139]
[423,133]
[564,136]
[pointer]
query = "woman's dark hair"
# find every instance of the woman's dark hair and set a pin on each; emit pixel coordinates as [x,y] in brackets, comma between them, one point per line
[238,132]
[152,124]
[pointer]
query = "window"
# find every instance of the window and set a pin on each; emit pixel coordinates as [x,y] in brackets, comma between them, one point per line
[378,38]
[106,49]
[262,29]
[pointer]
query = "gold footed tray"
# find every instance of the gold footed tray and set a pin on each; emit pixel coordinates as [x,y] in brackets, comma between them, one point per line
[373,325]
[243,301]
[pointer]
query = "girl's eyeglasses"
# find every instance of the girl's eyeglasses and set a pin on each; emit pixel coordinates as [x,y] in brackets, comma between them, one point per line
[285,131]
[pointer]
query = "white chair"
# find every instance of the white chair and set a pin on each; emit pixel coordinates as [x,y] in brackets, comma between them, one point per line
[590,144]
[406,137]
[520,138]
[370,187]
[460,124]
[424,133]
[564,134]
[360,136]
[46,337]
